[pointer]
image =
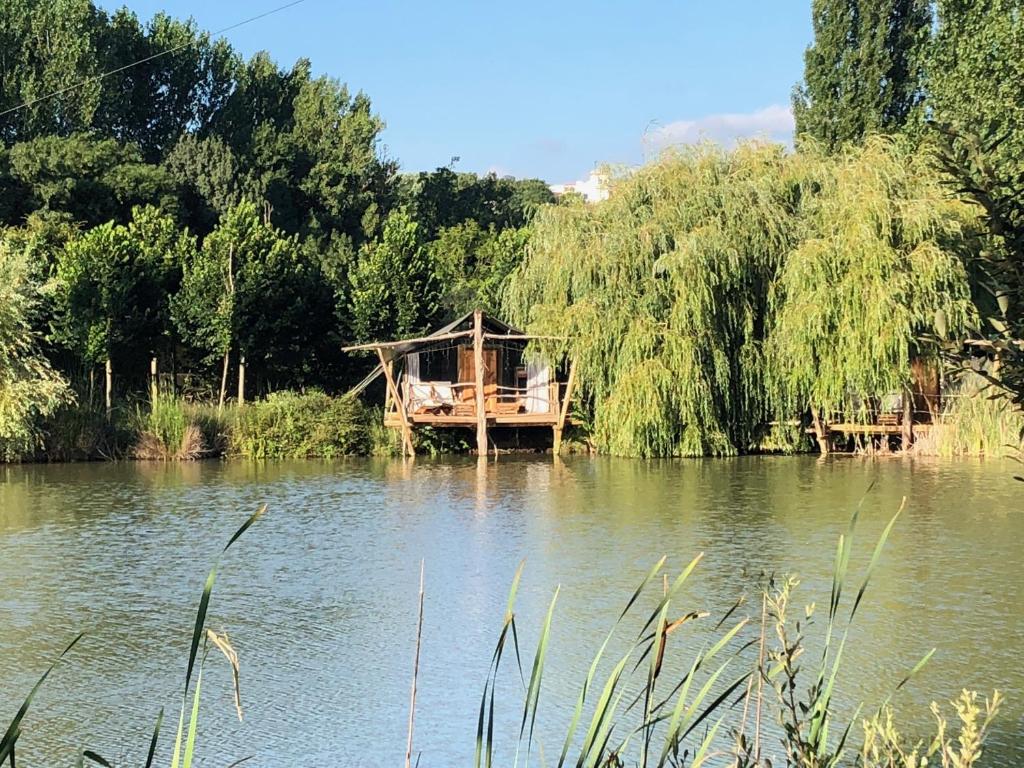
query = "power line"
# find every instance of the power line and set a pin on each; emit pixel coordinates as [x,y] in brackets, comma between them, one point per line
[175,49]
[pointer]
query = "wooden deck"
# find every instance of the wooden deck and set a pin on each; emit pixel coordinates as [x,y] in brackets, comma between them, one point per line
[873,429]
[394,419]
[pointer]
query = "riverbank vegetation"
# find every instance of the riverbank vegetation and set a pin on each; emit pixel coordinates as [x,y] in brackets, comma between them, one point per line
[238,222]
[748,689]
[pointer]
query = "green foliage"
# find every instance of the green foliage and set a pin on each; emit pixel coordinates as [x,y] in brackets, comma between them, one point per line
[995,183]
[30,389]
[251,288]
[472,265]
[206,172]
[114,285]
[977,420]
[880,257]
[292,425]
[864,73]
[166,431]
[394,286]
[662,291]
[976,78]
[48,46]
[93,180]
[443,198]
[716,292]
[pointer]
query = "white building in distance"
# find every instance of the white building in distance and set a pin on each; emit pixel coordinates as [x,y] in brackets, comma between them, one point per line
[593,189]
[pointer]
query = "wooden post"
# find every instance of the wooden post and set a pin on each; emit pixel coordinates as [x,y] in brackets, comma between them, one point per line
[389,371]
[109,387]
[241,379]
[153,388]
[819,431]
[478,354]
[907,437]
[407,446]
[223,382]
[564,410]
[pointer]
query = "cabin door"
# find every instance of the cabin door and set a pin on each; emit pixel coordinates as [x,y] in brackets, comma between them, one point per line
[467,375]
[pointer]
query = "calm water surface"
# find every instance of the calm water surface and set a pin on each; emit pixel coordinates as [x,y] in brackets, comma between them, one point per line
[320,597]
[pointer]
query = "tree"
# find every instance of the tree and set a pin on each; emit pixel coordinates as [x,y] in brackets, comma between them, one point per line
[250,289]
[662,292]
[114,284]
[308,147]
[443,198]
[394,288]
[47,47]
[977,104]
[155,102]
[472,265]
[93,180]
[858,297]
[864,72]
[976,79]
[715,292]
[207,174]
[30,389]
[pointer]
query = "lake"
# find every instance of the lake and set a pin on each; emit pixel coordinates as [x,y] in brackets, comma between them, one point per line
[320,596]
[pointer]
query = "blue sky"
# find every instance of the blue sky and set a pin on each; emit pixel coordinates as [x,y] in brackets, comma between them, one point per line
[542,89]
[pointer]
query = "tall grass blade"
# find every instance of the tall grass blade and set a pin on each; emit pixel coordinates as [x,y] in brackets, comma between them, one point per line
[875,556]
[578,711]
[13,731]
[536,676]
[153,741]
[193,722]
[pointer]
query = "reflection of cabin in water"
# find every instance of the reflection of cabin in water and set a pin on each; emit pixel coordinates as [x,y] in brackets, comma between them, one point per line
[473,373]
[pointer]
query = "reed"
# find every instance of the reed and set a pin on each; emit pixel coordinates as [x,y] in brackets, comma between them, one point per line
[203,639]
[978,421]
[712,713]
[165,431]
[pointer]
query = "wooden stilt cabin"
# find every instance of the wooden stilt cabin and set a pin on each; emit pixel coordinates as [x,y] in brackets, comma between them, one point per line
[474,374]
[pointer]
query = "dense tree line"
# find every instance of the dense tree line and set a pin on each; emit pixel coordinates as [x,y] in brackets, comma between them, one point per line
[201,206]
[204,207]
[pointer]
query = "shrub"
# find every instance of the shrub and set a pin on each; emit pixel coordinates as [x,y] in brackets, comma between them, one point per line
[294,425]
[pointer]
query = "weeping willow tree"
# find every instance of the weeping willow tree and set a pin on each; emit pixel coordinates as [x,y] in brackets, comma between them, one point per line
[716,291]
[662,291]
[880,259]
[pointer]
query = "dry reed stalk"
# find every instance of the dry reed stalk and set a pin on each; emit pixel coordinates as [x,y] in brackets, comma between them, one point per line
[415,675]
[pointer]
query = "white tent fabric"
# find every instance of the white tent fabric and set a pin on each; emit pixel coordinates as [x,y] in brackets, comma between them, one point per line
[538,396]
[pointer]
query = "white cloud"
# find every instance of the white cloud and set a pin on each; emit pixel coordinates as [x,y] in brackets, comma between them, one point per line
[774,123]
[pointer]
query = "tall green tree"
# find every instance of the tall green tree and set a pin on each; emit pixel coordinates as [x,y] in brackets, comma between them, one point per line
[92,180]
[114,285]
[472,265]
[858,297]
[30,388]
[252,291]
[864,73]
[976,78]
[394,289]
[47,47]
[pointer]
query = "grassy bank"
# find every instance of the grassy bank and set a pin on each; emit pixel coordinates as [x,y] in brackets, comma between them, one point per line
[977,421]
[283,426]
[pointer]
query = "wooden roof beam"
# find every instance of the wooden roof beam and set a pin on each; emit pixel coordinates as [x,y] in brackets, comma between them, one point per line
[403,342]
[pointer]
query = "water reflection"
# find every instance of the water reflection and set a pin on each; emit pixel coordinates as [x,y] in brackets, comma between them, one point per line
[321,597]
